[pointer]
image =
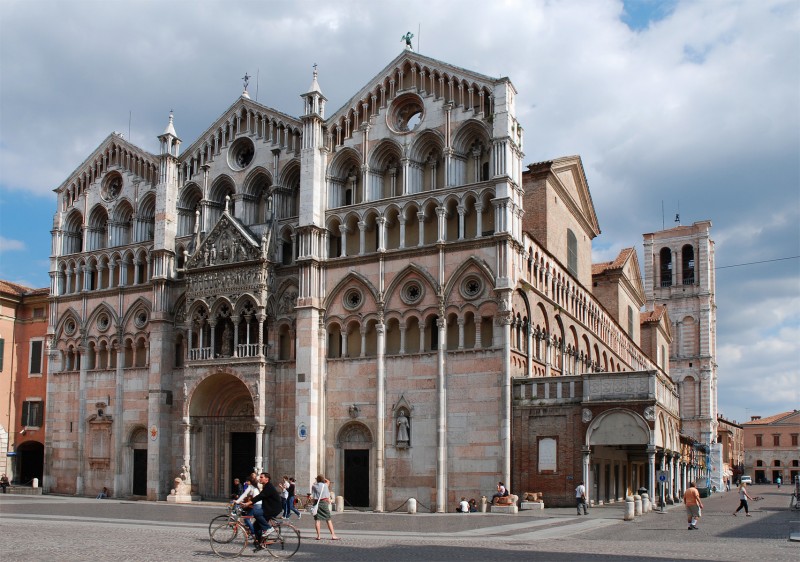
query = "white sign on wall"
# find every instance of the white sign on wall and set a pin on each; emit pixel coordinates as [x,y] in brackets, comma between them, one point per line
[547,454]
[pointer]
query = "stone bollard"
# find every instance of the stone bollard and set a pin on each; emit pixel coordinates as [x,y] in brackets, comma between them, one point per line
[412,505]
[483,504]
[629,508]
[647,506]
[35,483]
[339,504]
[637,504]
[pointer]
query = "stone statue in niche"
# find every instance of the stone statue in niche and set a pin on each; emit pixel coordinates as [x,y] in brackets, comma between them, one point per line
[213,257]
[403,427]
[206,256]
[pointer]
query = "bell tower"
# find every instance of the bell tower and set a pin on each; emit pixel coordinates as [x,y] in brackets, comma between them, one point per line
[679,273]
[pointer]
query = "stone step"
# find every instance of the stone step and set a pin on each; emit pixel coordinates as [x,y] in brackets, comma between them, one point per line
[24,491]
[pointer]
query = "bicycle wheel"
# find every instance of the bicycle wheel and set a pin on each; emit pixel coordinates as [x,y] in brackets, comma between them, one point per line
[228,540]
[216,523]
[286,542]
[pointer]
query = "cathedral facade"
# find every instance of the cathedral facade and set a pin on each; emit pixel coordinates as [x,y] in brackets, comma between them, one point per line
[386,295]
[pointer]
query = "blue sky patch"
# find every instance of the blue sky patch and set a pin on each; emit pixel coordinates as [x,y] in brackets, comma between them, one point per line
[639,14]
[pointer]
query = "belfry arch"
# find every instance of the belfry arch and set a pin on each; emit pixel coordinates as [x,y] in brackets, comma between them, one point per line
[223,434]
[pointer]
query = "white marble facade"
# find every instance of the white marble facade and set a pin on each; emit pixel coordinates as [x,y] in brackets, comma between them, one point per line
[347,293]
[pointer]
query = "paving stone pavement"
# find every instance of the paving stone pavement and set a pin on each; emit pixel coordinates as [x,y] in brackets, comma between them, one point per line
[68,528]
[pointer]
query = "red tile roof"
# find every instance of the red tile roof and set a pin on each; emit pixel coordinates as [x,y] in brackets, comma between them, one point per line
[771,419]
[652,315]
[13,288]
[619,261]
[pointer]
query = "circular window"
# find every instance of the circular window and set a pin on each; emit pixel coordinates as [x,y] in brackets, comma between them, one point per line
[69,327]
[406,113]
[112,186]
[412,292]
[241,153]
[353,299]
[471,287]
[140,318]
[103,322]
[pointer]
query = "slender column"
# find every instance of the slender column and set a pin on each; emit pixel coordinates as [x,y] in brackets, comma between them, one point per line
[363,342]
[119,408]
[402,220]
[421,219]
[651,470]
[586,452]
[460,333]
[461,211]
[211,326]
[82,401]
[187,443]
[235,350]
[381,421]
[343,249]
[259,460]
[362,229]
[441,425]
[529,353]
[402,339]
[381,226]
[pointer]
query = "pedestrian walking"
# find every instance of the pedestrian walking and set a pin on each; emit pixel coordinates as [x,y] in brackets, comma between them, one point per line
[321,491]
[778,482]
[580,498]
[691,499]
[743,497]
[290,500]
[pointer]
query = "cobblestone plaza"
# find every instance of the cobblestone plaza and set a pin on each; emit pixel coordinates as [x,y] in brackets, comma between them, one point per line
[69,528]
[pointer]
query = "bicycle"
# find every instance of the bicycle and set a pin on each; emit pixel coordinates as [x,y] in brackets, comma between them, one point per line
[229,535]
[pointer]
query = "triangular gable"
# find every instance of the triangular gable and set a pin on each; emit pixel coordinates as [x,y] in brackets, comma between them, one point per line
[228,242]
[632,272]
[93,166]
[428,64]
[572,179]
[235,109]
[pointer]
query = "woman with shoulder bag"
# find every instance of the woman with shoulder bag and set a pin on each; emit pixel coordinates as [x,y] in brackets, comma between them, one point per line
[320,492]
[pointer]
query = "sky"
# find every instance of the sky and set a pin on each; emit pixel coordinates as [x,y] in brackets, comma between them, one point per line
[692,107]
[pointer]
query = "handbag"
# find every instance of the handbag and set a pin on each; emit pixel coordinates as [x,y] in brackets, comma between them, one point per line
[312,509]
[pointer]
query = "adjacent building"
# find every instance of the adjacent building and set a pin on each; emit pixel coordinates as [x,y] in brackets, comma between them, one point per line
[23,381]
[385,294]
[730,437]
[771,447]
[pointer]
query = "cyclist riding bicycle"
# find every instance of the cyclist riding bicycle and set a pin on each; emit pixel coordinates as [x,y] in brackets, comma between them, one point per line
[250,491]
[266,505]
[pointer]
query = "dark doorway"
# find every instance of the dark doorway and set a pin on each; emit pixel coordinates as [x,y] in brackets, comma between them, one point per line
[139,472]
[30,458]
[243,456]
[356,477]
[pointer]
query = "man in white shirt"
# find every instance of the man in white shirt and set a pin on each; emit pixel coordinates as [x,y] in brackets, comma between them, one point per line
[580,498]
[463,506]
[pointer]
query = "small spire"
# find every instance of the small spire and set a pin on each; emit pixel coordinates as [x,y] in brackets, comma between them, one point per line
[314,84]
[170,130]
